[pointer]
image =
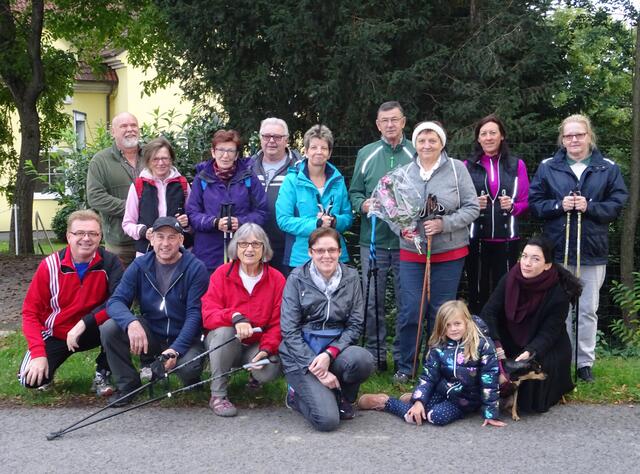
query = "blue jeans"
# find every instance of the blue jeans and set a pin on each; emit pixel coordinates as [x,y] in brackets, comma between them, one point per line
[445,278]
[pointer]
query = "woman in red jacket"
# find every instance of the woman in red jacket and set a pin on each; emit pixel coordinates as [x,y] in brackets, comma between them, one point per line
[243,294]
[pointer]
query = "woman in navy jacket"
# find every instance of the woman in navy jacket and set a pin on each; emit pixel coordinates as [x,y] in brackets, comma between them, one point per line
[579,179]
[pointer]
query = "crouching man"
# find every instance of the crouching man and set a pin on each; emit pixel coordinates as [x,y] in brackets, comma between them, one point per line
[65,304]
[167,283]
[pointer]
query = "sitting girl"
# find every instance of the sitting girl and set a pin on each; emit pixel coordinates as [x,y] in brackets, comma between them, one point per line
[460,374]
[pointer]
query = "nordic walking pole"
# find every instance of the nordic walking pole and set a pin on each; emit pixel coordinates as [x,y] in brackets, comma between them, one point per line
[373,270]
[577,304]
[57,434]
[155,380]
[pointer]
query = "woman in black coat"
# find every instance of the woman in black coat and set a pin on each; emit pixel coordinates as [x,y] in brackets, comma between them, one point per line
[526,317]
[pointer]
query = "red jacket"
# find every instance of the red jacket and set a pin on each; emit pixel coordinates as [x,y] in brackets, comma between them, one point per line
[56,299]
[227,296]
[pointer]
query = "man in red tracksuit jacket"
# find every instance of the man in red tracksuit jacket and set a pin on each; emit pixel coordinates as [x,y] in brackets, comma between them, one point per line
[65,304]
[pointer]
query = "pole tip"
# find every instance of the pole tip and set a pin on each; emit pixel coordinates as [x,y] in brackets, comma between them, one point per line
[52,436]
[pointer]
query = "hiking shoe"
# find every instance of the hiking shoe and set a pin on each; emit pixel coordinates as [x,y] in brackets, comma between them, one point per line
[347,411]
[400,378]
[101,384]
[290,399]
[120,399]
[221,406]
[585,374]
[253,384]
[373,401]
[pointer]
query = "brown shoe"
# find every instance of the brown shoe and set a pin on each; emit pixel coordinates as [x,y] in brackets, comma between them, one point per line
[406,397]
[373,401]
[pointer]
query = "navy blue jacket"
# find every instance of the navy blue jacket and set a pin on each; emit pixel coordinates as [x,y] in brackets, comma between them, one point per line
[179,320]
[468,384]
[601,183]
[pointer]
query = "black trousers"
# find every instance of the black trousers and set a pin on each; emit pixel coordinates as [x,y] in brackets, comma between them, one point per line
[57,353]
[485,265]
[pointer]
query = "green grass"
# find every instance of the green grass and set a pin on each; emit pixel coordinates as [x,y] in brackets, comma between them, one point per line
[617,381]
[57,245]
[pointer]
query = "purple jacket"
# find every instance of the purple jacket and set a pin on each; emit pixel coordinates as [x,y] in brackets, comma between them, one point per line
[208,195]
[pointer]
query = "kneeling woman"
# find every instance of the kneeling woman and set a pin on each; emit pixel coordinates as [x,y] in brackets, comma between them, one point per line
[321,321]
[243,294]
[526,317]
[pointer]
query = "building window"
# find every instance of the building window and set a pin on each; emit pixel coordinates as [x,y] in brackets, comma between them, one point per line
[79,127]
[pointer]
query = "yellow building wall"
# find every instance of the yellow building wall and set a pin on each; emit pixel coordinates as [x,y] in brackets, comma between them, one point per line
[127,97]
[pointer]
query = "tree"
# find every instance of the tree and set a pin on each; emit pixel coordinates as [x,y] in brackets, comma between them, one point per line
[35,77]
[336,61]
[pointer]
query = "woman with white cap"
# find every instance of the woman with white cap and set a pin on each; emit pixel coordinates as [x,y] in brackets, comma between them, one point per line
[448,182]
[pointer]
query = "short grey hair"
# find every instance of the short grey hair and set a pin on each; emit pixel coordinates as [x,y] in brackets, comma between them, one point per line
[318,131]
[274,121]
[247,230]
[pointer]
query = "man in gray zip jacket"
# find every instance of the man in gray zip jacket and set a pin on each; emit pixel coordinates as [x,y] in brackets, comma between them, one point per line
[270,164]
[168,283]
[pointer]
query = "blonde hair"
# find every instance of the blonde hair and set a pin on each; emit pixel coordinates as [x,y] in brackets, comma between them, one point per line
[83,215]
[578,118]
[471,338]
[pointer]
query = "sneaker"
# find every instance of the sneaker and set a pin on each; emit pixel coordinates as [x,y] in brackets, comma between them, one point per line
[290,400]
[101,385]
[373,401]
[221,406]
[45,387]
[120,399]
[585,374]
[146,375]
[347,411]
[400,378]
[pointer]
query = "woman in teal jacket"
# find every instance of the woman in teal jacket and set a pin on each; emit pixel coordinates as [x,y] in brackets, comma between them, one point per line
[313,195]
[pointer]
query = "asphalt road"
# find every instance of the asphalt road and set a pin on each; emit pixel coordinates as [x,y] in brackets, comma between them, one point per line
[570,438]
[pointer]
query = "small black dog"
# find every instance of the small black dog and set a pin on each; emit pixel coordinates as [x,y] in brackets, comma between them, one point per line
[517,372]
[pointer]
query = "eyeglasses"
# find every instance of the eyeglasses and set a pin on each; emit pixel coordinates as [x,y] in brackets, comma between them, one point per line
[83,233]
[225,151]
[330,251]
[392,120]
[275,138]
[574,136]
[254,245]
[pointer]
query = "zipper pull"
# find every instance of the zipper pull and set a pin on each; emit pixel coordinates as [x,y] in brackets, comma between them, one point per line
[162,304]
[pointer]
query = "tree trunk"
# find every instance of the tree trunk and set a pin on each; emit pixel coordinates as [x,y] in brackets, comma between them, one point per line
[25,184]
[630,220]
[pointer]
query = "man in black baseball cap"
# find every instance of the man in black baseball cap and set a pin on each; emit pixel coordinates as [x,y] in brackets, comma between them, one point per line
[168,282]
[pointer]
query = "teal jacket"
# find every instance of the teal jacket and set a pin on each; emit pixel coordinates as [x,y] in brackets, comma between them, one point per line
[373,162]
[297,208]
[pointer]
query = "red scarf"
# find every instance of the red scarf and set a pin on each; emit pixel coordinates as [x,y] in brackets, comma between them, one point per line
[224,175]
[522,299]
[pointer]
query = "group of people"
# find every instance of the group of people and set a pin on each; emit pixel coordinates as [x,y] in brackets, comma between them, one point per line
[249,263]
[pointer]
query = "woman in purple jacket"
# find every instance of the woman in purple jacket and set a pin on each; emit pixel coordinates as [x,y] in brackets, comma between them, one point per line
[224,195]
[502,185]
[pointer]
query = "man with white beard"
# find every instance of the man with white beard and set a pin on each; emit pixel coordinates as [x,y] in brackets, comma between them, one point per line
[111,173]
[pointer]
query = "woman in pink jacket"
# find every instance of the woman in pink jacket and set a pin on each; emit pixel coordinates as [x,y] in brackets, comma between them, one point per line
[159,191]
[244,294]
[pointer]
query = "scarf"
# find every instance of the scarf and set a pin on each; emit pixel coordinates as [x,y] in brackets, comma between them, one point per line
[328,287]
[224,175]
[522,299]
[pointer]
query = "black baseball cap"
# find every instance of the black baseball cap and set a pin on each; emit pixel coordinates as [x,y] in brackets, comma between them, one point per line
[168,221]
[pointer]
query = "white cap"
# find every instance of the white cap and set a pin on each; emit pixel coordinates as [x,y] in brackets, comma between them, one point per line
[434,127]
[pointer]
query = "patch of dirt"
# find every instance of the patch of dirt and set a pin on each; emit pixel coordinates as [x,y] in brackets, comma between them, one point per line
[15,275]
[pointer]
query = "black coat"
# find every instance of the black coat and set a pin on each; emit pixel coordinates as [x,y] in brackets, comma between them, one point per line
[548,339]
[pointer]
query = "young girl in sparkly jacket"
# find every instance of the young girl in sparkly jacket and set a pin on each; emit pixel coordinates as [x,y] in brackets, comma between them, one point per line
[460,374]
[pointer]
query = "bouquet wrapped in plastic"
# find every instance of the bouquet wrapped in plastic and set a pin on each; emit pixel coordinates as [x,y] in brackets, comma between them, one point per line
[399,202]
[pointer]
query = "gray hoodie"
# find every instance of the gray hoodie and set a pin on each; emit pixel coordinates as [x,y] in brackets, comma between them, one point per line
[454,190]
